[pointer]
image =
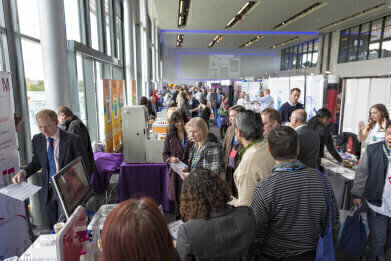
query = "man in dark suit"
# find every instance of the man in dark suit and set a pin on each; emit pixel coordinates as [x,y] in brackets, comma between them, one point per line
[309,141]
[71,123]
[290,106]
[53,149]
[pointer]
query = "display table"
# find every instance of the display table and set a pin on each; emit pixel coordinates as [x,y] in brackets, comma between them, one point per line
[341,180]
[106,164]
[139,180]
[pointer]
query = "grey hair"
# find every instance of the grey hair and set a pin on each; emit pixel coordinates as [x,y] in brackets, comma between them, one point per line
[250,124]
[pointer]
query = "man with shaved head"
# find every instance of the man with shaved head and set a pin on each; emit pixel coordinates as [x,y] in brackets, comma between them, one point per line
[309,141]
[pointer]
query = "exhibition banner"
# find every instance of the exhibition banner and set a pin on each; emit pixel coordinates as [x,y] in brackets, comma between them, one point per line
[108,115]
[122,103]
[134,92]
[14,238]
[114,113]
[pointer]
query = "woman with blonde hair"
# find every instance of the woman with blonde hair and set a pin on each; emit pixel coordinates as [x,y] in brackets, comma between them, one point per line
[206,152]
[374,130]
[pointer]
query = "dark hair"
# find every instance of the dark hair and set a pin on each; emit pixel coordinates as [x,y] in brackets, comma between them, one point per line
[237,108]
[175,117]
[203,191]
[136,230]
[204,101]
[295,89]
[272,114]
[383,112]
[250,124]
[144,101]
[18,118]
[65,110]
[283,143]
[320,114]
[388,124]
[183,96]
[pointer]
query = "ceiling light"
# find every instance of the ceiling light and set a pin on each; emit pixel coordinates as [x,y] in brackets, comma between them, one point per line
[183,12]
[300,15]
[285,43]
[179,40]
[349,18]
[327,72]
[252,41]
[215,40]
[241,14]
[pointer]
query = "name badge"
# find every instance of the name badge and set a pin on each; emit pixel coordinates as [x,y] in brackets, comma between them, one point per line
[231,159]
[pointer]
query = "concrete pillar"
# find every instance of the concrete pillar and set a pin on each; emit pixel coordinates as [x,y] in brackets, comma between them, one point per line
[54,55]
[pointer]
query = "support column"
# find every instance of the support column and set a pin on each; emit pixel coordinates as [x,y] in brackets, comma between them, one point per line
[54,56]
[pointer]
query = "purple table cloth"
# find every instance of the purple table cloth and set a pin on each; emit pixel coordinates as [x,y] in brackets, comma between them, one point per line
[139,180]
[106,164]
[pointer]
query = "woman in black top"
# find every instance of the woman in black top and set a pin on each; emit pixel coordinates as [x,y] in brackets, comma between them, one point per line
[205,111]
[319,123]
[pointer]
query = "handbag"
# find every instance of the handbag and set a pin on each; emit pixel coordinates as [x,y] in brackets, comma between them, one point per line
[221,112]
[325,248]
[353,238]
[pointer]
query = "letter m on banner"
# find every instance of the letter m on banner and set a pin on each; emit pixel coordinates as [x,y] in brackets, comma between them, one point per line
[6,84]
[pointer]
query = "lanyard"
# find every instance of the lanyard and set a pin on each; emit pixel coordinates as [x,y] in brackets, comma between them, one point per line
[290,169]
[387,151]
[183,142]
[194,159]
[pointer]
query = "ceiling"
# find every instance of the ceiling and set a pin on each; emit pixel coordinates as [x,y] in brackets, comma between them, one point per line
[215,14]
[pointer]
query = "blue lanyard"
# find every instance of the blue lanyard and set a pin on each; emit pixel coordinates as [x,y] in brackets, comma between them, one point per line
[290,169]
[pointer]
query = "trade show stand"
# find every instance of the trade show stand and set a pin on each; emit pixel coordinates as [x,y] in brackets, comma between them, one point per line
[341,179]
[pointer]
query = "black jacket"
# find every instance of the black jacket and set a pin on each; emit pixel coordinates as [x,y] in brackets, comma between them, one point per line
[76,126]
[326,139]
[309,144]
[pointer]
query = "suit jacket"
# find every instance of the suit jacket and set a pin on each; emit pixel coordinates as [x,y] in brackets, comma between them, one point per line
[70,147]
[76,126]
[172,148]
[309,144]
[226,235]
[227,147]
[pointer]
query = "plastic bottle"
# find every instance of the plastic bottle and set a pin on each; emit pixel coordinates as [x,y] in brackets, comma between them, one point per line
[82,257]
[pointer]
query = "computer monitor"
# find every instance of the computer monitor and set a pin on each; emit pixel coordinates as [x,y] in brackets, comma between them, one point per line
[72,186]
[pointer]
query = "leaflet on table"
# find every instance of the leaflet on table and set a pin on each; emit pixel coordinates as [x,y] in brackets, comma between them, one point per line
[174,228]
[177,167]
[20,191]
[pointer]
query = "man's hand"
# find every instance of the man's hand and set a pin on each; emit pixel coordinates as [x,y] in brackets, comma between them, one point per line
[184,173]
[174,160]
[18,178]
[357,201]
[174,242]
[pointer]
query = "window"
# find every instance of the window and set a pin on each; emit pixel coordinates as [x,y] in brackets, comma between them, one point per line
[94,25]
[99,97]
[118,25]
[370,40]
[33,71]
[107,24]
[315,53]
[300,56]
[82,90]
[72,19]
[28,18]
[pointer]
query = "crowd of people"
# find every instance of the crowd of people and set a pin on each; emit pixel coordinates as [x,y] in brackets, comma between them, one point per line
[256,192]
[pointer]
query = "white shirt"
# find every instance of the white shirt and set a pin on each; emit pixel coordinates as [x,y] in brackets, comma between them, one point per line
[385,208]
[266,101]
[56,144]
[241,101]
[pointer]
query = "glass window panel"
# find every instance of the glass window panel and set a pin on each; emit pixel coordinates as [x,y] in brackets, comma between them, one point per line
[386,49]
[81,87]
[316,45]
[353,44]
[28,17]
[118,24]
[376,29]
[310,46]
[309,58]
[33,72]
[2,58]
[363,42]
[387,28]
[94,25]
[2,23]
[99,89]
[305,48]
[343,46]
[373,50]
[71,8]
[108,31]
[314,59]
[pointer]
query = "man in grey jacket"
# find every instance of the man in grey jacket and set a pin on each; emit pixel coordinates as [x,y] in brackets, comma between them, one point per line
[309,141]
[373,181]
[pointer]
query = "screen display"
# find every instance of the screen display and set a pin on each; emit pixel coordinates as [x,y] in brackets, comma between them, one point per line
[73,185]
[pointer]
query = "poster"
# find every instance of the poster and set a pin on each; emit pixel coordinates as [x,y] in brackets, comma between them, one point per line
[108,115]
[122,103]
[279,90]
[114,112]
[314,94]
[134,92]
[14,238]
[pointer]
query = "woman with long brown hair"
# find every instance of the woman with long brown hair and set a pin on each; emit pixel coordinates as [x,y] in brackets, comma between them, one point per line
[136,230]
[374,130]
[213,230]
